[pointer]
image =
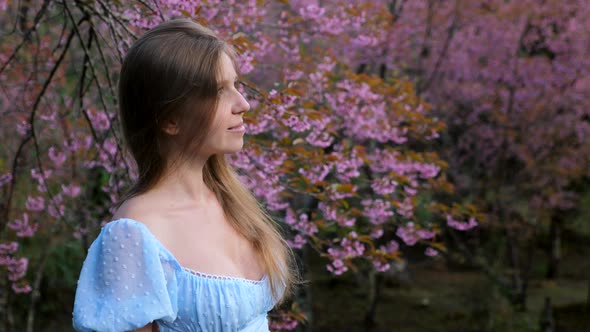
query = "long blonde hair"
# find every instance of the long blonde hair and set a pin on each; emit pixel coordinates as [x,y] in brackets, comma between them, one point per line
[171,72]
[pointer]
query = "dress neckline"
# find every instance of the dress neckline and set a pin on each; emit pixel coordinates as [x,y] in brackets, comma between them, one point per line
[187,270]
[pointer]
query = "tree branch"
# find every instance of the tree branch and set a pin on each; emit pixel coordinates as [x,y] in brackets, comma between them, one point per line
[28,33]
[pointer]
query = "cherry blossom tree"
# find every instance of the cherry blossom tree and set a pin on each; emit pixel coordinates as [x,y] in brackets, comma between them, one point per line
[340,153]
[510,80]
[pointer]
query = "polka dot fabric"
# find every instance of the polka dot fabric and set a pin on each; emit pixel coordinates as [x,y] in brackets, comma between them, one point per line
[130,279]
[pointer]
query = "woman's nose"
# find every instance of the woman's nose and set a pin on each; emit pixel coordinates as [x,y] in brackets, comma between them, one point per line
[242,105]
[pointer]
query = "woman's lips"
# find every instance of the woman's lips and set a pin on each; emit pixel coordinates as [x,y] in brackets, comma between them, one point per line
[238,129]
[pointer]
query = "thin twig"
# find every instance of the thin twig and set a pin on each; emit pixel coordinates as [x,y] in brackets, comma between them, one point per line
[31,134]
[118,20]
[443,53]
[88,59]
[28,33]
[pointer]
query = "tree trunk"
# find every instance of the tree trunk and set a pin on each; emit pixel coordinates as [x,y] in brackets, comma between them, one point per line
[520,264]
[525,273]
[303,295]
[308,291]
[310,204]
[547,322]
[554,248]
[4,289]
[9,324]
[375,282]
[518,285]
[35,293]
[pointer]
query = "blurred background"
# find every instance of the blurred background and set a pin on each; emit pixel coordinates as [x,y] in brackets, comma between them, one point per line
[427,160]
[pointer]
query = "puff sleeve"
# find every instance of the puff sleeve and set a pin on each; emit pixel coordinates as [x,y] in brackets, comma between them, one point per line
[124,283]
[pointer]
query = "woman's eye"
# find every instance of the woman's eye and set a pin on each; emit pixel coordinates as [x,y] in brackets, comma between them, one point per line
[237,85]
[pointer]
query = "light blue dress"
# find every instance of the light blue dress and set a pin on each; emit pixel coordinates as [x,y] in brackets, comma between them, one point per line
[130,279]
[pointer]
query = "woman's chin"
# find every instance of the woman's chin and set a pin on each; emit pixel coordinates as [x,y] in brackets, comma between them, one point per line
[234,149]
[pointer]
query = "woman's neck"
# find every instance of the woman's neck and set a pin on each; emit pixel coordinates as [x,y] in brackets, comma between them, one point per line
[185,185]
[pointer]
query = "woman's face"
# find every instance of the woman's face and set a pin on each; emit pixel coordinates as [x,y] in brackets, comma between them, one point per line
[227,132]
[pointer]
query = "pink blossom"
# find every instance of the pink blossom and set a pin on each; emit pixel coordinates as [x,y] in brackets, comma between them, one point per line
[35,203]
[376,233]
[80,231]
[72,190]
[98,119]
[21,288]
[245,60]
[108,152]
[433,135]
[364,41]
[319,139]
[290,217]
[380,266]
[337,267]
[312,12]
[347,166]
[317,173]
[5,260]
[319,80]
[377,211]
[293,75]
[335,194]
[55,208]
[5,178]
[408,234]
[461,226]
[390,248]
[8,248]
[71,145]
[241,159]
[328,211]
[297,124]
[290,48]
[23,127]
[301,224]
[406,208]
[384,185]
[36,174]
[386,160]
[297,242]
[410,191]
[351,248]
[430,252]
[22,227]
[429,171]
[58,158]
[425,234]
[348,250]
[327,64]
[345,221]
[17,268]
[282,323]
[49,115]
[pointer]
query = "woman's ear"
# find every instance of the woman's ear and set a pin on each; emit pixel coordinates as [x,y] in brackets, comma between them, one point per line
[171,127]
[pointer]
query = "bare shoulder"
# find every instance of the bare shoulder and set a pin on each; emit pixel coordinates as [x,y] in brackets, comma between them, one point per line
[142,208]
[152,210]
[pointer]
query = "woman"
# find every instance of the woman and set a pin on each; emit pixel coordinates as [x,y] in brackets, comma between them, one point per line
[189,248]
